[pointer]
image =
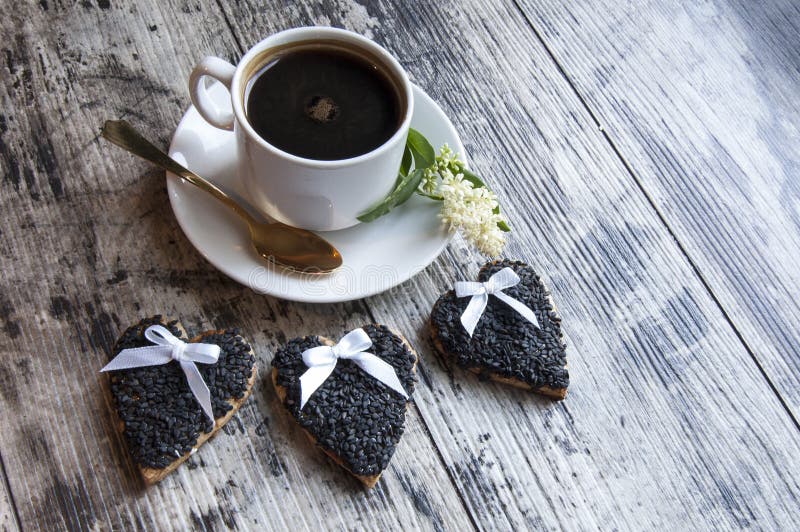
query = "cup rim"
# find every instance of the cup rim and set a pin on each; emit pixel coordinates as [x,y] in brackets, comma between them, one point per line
[312,32]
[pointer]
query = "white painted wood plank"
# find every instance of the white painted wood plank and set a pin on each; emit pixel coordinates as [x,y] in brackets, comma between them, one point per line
[8,518]
[667,420]
[701,101]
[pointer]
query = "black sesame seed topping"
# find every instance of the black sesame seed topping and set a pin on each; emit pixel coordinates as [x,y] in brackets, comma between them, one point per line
[162,419]
[504,343]
[352,414]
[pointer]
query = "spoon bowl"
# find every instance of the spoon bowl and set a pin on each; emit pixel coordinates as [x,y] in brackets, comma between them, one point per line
[291,247]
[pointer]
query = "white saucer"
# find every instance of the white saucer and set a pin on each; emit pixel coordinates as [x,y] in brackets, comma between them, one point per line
[376,255]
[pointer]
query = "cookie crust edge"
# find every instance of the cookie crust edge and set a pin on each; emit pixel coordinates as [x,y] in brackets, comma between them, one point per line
[555,393]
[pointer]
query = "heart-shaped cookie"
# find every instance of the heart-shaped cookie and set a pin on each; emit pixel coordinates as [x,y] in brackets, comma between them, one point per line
[355,419]
[505,346]
[161,420]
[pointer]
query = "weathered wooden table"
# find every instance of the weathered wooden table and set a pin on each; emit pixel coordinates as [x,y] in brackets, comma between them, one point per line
[648,155]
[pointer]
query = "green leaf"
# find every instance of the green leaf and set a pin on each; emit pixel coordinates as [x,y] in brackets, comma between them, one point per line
[377,211]
[424,154]
[407,188]
[435,197]
[402,192]
[405,165]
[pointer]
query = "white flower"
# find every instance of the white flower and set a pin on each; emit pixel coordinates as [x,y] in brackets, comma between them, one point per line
[464,207]
[446,162]
[471,210]
[430,179]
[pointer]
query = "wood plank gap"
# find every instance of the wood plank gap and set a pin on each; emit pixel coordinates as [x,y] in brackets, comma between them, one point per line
[659,214]
[230,27]
[12,501]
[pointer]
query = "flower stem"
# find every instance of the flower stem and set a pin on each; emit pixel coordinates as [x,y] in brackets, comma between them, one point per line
[435,197]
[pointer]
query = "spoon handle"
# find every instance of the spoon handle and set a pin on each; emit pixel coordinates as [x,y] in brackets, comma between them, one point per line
[125,136]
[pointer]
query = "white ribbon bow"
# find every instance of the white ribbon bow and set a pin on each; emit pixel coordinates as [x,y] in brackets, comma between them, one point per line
[505,278]
[168,348]
[321,361]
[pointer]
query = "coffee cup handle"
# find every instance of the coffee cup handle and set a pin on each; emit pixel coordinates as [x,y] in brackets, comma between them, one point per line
[223,72]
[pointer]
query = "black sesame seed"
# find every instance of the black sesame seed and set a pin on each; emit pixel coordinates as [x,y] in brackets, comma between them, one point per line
[351,414]
[504,343]
[162,420]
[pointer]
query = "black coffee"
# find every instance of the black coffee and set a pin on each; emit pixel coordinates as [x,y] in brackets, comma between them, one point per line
[323,103]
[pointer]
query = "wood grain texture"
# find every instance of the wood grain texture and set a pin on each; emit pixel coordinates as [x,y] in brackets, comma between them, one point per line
[642,367]
[656,431]
[89,245]
[701,100]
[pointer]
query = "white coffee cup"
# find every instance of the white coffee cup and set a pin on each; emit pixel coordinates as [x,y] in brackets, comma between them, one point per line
[305,193]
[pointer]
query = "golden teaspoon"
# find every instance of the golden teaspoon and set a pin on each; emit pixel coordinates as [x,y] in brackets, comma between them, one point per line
[288,246]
